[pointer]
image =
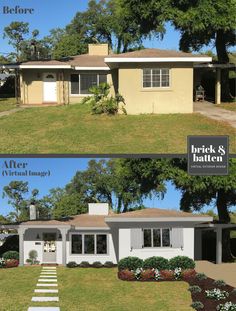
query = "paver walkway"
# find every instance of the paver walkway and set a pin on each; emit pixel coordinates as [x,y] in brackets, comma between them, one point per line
[224,271]
[209,110]
[8,112]
[47,278]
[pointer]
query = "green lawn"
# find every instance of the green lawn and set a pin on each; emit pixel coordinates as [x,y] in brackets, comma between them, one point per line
[93,290]
[7,104]
[227,106]
[72,129]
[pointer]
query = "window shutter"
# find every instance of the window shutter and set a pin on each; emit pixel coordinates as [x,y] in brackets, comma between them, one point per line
[177,239]
[136,238]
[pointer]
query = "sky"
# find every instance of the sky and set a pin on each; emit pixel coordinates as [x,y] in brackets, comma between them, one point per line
[62,171]
[50,14]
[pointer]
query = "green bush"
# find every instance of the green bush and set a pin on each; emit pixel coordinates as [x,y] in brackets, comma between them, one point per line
[97,264]
[154,262]
[11,255]
[109,264]
[219,283]
[197,305]
[72,264]
[102,103]
[195,289]
[84,264]
[130,263]
[201,276]
[182,262]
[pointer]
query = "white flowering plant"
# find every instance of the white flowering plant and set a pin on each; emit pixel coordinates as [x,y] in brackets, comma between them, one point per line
[217,294]
[177,273]
[228,306]
[138,273]
[2,263]
[157,274]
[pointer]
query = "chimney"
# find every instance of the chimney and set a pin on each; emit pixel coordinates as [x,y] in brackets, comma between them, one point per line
[98,209]
[98,49]
[33,212]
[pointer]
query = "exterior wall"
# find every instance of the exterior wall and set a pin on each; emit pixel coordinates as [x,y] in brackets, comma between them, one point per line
[167,252]
[32,86]
[111,256]
[178,98]
[30,242]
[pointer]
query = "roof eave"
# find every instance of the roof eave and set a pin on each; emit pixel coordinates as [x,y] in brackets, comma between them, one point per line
[159,219]
[109,60]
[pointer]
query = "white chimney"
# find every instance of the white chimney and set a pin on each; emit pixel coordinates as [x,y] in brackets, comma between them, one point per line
[98,208]
[33,212]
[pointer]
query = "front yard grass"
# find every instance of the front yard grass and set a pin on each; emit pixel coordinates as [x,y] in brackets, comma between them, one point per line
[91,290]
[227,106]
[72,129]
[7,104]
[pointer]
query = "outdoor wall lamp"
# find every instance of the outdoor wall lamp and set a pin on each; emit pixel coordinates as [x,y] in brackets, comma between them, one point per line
[37,237]
[59,236]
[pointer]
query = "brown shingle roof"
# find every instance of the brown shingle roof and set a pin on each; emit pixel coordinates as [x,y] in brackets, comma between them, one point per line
[155,213]
[155,53]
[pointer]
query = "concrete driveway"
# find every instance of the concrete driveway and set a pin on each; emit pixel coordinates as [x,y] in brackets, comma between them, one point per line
[209,110]
[224,271]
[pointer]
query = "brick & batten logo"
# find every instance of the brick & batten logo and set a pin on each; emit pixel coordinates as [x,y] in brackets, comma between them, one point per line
[208,155]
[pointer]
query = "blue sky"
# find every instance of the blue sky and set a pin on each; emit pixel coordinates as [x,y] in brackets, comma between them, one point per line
[62,171]
[52,14]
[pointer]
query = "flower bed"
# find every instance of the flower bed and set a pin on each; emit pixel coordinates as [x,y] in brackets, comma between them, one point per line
[207,294]
[9,263]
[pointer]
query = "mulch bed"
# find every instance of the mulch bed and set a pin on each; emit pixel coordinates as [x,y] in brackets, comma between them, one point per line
[210,304]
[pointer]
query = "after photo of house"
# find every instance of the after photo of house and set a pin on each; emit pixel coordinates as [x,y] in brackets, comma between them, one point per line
[93,82]
[76,226]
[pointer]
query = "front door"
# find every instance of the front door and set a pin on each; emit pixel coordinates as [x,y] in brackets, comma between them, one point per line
[50,88]
[49,248]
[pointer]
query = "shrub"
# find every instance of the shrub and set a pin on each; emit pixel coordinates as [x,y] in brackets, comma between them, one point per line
[11,263]
[109,264]
[97,264]
[84,264]
[234,291]
[188,274]
[219,283]
[216,293]
[126,275]
[33,255]
[130,263]
[154,262]
[148,274]
[182,262]
[72,264]
[167,275]
[195,289]
[201,276]
[197,305]
[177,273]
[102,103]
[11,255]
[228,306]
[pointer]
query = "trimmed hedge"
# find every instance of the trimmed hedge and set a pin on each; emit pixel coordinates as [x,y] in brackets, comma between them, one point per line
[130,263]
[154,262]
[182,262]
[72,264]
[11,255]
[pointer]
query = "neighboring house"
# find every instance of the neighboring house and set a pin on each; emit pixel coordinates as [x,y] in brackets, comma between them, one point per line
[102,235]
[150,80]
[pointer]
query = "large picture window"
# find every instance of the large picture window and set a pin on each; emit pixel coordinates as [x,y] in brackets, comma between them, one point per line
[156,238]
[156,78]
[81,83]
[89,244]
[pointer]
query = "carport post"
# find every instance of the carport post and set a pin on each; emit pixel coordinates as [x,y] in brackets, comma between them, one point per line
[219,245]
[63,234]
[21,233]
[218,86]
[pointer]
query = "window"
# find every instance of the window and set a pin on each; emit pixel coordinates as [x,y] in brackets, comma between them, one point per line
[81,83]
[156,78]
[89,244]
[156,238]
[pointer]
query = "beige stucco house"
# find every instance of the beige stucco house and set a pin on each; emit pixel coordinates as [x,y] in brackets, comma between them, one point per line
[150,80]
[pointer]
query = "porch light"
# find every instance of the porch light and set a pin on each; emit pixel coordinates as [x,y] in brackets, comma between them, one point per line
[37,237]
[59,236]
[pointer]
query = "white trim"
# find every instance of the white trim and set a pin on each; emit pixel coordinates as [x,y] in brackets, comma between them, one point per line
[215,66]
[159,219]
[92,68]
[157,59]
[45,67]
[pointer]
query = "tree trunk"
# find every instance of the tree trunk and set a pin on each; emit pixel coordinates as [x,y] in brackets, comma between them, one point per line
[119,45]
[222,208]
[119,205]
[223,58]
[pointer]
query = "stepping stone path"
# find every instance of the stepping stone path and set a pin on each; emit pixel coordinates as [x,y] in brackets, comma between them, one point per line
[47,279]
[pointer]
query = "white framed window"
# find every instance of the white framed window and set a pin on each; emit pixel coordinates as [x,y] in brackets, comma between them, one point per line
[154,78]
[89,244]
[156,237]
[81,83]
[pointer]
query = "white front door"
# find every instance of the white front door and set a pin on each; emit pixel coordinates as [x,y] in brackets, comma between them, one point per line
[50,88]
[49,248]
